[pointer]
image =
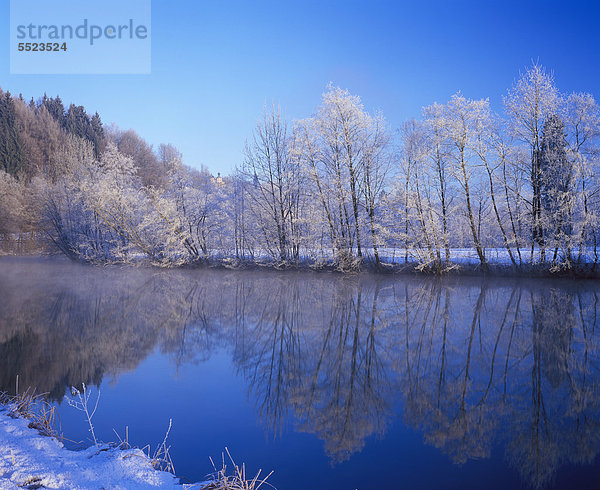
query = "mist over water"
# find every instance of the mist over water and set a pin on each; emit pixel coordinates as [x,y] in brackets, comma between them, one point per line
[332,381]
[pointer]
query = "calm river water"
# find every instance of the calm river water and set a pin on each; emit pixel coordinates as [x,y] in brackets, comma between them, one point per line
[334,382]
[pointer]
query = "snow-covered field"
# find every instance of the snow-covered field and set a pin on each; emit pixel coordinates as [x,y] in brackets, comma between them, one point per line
[30,460]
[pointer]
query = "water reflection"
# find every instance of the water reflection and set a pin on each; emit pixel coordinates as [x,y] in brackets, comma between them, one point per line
[469,363]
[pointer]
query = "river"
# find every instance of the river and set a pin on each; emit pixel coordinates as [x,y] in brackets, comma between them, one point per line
[332,381]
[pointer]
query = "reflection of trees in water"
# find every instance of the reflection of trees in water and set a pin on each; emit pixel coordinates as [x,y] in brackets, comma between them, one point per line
[55,334]
[344,395]
[558,418]
[473,362]
[63,324]
[268,345]
[312,347]
[519,360]
[442,364]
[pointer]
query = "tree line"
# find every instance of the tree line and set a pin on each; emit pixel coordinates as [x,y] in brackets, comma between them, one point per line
[339,189]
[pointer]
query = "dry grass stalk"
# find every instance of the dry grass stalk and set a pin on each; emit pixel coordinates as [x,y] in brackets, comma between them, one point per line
[33,407]
[161,460]
[123,441]
[221,480]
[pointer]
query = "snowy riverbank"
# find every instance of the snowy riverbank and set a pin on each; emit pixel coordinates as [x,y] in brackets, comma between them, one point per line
[30,460]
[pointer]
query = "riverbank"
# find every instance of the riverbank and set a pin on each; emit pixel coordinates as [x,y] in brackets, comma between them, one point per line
[460,266]
[33,456]
[31,460]
[463,263]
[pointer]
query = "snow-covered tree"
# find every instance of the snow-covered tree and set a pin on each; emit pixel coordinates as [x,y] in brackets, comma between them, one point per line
[346,153]
[532,99]
[556,188]
[273,186]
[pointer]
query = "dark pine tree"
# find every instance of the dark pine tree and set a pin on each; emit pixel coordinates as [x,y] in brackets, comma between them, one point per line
[557,178]
[55,108]
[78,122]
[97,135]
[11,148]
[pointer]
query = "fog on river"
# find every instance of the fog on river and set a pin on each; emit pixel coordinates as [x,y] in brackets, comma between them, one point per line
[470,364]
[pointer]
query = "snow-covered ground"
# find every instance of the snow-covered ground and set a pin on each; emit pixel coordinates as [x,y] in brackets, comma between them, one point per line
[30,460]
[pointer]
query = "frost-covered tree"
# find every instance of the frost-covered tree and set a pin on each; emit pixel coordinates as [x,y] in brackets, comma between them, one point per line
[345,151]
[12,195]
[149,168]
[42,138]
[422,232]
[437,151]
[492,154]
[582,118]
[465,119]
[94,212]
[274,183]
[532,99]
[556,187]
[196,208]
[377,161]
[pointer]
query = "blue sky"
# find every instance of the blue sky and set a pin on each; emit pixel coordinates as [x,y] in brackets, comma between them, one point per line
[216,63]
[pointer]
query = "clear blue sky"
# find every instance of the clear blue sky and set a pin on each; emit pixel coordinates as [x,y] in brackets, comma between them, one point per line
[216,63]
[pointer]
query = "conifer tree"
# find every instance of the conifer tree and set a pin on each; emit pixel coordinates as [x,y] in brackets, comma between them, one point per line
[55,107]
[557,178]
[97,135]
[78,123]
[11,151]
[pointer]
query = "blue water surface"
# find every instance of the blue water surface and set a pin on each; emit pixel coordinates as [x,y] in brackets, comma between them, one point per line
[361,382]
